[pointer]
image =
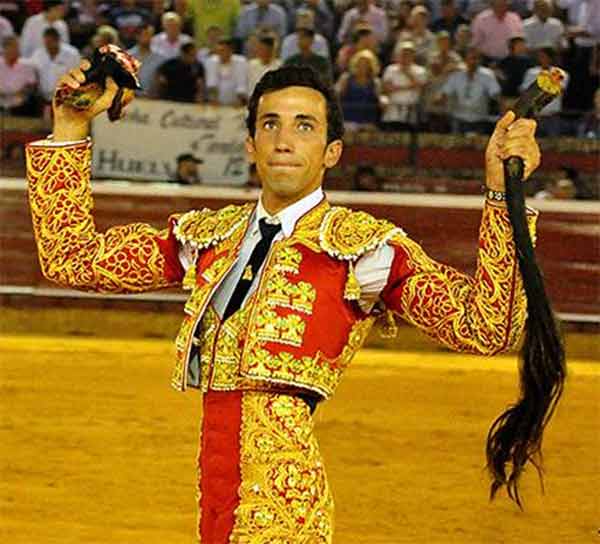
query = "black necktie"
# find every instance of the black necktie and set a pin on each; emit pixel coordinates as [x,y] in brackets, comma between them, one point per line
[268,232]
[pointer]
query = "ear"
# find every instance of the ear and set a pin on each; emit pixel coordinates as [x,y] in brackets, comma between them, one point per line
[250,149]
[333,152]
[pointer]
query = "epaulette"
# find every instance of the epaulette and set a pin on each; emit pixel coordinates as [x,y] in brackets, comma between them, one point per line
[206,227]
[347,234]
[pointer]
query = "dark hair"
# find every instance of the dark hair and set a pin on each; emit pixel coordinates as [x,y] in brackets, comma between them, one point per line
[187,48]
[269,41]
[298,76]
[49,4]
[361,32]
[52,33]
[514,40]
[549,52]
[309,32]
[226,41]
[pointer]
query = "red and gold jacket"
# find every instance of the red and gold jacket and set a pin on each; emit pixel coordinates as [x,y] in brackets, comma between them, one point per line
[302,326]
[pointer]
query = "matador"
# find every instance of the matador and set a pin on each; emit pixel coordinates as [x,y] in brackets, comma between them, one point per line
[282,294]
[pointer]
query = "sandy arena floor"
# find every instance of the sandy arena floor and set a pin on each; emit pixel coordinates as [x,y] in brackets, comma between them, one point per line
[95,447]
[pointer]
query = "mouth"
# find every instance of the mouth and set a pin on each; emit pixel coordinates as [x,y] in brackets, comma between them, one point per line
[278,164]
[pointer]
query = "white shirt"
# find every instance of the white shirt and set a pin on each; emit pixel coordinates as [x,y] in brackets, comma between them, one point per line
[371,270]
[549,33]
[229,79]
[401,100]
[163,46]
[256,70]
[50,70]
[289,46]
[32,35]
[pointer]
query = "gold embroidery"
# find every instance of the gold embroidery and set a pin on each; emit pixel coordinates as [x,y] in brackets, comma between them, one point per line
[284,493]
[484,314]
[296,296]
[287,329]
[287,259]
[247,276]
[205,228]
[347,234]
[182,344]
[71,252]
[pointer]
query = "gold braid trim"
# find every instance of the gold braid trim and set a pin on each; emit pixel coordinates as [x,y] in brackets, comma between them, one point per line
[484,314]
[205,228]
[284,493]
[346,234]
[71,252]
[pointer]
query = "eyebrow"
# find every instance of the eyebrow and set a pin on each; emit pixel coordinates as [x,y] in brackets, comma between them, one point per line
[298,117]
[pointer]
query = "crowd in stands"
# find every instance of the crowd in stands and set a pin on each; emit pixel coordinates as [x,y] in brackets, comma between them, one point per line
[429,65]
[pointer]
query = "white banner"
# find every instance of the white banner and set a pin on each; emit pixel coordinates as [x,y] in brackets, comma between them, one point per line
[144,144]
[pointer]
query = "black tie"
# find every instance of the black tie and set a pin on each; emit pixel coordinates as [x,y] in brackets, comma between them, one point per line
[268,231]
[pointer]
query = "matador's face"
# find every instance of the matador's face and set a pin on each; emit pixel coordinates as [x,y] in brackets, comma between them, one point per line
[290,147]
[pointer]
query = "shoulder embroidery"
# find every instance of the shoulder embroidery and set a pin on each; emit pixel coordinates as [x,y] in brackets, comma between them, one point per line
[204,228]
[347,234]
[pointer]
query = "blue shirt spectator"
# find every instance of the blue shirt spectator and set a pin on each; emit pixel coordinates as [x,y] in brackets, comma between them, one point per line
[261,15]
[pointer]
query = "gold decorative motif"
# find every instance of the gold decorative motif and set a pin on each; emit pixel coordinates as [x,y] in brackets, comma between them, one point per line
[124,259]
[287,259]
[271,327]
[284,493]
[189,280]
[204,228]
[484,314]
[247,276]
[347,234]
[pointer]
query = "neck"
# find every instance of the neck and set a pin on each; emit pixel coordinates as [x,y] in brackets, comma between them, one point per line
[273,203]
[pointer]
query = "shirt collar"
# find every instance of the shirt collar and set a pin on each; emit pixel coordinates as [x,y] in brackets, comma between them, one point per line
[288,217]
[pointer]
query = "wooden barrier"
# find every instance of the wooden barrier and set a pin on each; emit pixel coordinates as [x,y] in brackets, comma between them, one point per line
[568,232]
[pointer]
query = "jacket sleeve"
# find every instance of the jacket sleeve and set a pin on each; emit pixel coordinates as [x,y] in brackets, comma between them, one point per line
[124,259]
[484,314]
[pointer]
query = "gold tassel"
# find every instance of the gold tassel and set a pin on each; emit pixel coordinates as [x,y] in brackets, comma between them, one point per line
[352,289]
[388,327]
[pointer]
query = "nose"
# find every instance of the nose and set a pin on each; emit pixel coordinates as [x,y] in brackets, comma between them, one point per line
[284,141]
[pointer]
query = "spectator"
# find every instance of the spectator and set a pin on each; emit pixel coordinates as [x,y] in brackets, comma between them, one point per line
[105,35]
[83,19]
[363,39]
[265,60]
[6,30]
[462,40]
[319,64]
[181,79]
[208,14]
[365,179]
[227,76]
[560,189]
[590,124]
[583,61]
[17,80]
[450,19]
[213,35]
[168,43]
[359,90]
[289,46]
[471,93]
[33,29]
[52,61]
[549,122]
[364,12]
[448,60]
[187,170]
[128,19]
[13,11]
[542,30]
[492,29]
[183,9]
[151,61]
[403,83]
[582,190]
[322,17]
[511,71]
[418,33]
[261,15]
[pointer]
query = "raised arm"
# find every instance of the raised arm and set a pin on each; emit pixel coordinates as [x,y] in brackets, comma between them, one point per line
[124,259]
[484,313]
